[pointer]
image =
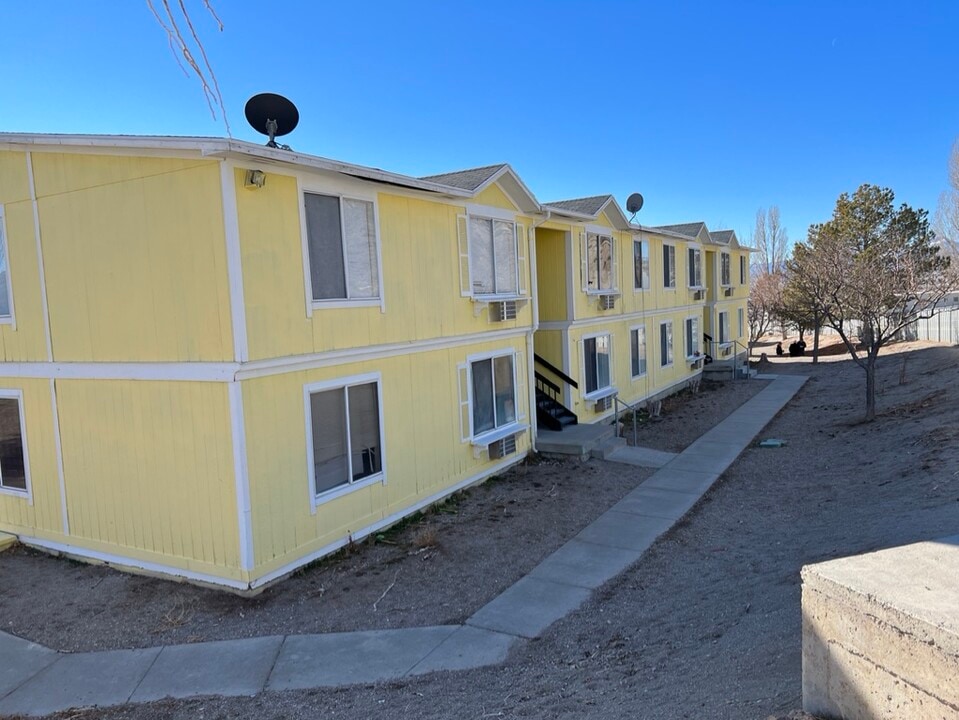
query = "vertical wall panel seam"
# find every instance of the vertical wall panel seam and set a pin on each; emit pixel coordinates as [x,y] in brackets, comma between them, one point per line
[59,452]
[231,232]
[40,269]
[241,476]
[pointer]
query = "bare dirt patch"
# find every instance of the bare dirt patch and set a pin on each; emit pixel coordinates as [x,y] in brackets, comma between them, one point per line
[708,623]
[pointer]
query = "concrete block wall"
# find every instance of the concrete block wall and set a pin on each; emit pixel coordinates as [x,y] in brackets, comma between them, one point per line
[881,634]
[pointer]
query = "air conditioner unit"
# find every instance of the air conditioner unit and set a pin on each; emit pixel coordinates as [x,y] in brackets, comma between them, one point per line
[607,302]
[603,404]
[502,448]
[728,292]
[502,310]
[698,294]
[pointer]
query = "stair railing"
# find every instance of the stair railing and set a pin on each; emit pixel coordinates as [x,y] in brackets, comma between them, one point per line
[635,410]
[548,387]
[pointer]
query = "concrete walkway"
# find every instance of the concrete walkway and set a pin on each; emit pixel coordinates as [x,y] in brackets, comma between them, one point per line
[35,680]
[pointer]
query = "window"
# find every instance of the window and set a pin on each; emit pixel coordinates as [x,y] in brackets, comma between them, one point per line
[494,269]
[637,347]
[599,262]
[341,240]
[692,337]
[666,343]
[494,393]
[695,268]
[724,269]
[345,434]
[14,470]
[6,301]
[596,360]
[739,317]
[640,265]
[742,269]
[723,327]
[669,266]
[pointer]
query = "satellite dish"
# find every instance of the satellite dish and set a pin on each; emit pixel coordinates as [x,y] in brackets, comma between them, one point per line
[273,115]
[634,203]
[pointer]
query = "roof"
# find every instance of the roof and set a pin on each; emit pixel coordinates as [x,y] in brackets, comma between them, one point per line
[471,179]
[690,230]
[722,236]
[591,206]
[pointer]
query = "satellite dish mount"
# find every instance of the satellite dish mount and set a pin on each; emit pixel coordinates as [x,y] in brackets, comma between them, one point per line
[272,115]
[634,203]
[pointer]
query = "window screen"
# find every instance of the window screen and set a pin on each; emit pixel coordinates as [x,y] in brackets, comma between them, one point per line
[12,468]
[326,246]
[637,341]
[4,273]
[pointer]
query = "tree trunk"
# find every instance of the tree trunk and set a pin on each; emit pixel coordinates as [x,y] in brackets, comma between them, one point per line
[870,387]
[815,339]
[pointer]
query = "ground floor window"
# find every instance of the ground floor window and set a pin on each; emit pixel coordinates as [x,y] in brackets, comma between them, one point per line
[345,434]
[13,463]
[723,327]
[494,393]
[739,317]
[692,337]
[637,350]
[596,356]
[666,343]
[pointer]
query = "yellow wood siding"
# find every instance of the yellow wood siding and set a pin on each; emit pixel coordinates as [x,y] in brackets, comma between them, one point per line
[423,451]
[551,274]
[420,269]
[135,258]
[494,196]
[43,517]
[149,471]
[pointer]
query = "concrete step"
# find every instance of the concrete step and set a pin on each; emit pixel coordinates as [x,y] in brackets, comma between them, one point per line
[574,440]
[608,448]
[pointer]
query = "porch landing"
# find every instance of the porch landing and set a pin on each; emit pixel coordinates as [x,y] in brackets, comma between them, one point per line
[577,440]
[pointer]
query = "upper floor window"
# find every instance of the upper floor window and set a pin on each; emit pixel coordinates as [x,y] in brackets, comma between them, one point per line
[14,470]
[596,354]
[724,273]
[341,240]
[345,437]
[492,261]
[640,265]
[669,266]
[6,302]
[742,269]
[695,268]
[599,262]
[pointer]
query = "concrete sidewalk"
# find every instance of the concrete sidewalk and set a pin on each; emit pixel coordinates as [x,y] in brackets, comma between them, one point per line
[35,680]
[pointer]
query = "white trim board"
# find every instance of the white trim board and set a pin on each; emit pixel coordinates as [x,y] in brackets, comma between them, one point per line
[241,476]
[42,275]
[234,265]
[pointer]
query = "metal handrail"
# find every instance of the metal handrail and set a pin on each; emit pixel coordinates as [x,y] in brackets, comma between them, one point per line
[555,370]
[714,345]
[616,403]
[540,378]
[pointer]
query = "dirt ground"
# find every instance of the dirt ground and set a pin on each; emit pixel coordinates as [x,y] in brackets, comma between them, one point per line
[707,624]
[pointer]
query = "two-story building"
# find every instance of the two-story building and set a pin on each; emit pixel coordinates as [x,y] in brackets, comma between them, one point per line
[221,361]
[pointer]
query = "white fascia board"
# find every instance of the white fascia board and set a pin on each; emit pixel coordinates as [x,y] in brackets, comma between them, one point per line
[636,228]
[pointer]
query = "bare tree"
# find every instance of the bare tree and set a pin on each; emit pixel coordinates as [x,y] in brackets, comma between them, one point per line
[879,266]
[771,242]
[765,297]
[805,293]
[947,215]
[189,47]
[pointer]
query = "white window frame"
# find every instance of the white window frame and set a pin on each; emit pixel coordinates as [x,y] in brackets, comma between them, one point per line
[484,212]
[5,239]
[727,281]
[600,231]
[721,326]
[351,485]
[673,273]
[487,437]
[742,270]
[741,320]
[690,266]
[27,493]
[695,338]
[598,393]
[671,354]
[645,347]
[645,265]
[304,188]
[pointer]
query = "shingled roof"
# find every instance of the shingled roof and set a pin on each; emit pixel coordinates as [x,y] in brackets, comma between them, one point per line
[722,236]
[470,179]
[690,230]
[591,206]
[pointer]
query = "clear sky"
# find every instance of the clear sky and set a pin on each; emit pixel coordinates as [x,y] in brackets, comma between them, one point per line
[710,109]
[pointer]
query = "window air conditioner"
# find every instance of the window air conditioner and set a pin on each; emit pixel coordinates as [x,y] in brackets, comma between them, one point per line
[502,448]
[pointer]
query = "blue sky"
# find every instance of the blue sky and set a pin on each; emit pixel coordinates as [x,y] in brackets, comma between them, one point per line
[709,109]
